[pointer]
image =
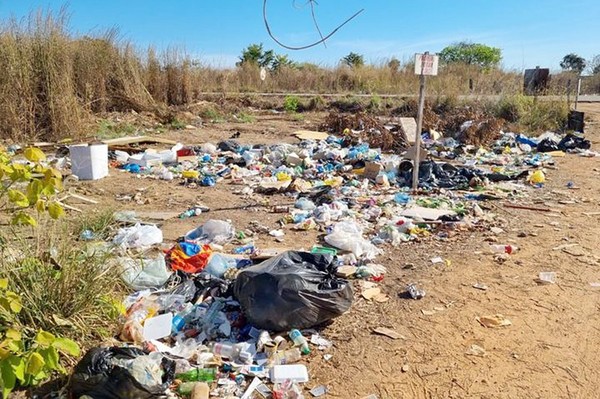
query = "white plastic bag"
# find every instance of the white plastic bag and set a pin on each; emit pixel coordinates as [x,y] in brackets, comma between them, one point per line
[213,231]
[347,236]
[141,274]
[138,236]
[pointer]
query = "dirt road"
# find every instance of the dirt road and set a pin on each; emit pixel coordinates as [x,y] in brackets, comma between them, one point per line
[551,348]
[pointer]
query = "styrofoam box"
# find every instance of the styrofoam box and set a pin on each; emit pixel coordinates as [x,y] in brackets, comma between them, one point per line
[89,162]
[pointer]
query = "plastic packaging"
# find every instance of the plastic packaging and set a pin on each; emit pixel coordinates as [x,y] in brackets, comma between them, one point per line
[138,236]
[218,264]
[141,274]
[213,231]
[347,236]
[537,177]
[292,290]
[286,357]
[100,374]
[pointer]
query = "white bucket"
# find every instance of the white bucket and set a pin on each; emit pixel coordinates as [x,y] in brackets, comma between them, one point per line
[89,162]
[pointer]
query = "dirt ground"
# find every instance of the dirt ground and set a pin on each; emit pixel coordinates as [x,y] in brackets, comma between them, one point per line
[550,350]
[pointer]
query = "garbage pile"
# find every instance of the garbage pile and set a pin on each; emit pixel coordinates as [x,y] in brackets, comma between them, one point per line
[216,315]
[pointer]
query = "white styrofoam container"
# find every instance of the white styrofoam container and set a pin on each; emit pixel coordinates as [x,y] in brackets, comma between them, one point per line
[89,162]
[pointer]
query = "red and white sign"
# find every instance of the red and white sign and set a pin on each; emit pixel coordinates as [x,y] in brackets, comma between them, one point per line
[426,64]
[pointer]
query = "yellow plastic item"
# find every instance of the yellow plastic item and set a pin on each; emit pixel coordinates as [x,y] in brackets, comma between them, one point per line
[190,174]
[282,176]
[537,177]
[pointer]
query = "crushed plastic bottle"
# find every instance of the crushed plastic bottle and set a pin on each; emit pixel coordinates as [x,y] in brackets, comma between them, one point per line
[504,249]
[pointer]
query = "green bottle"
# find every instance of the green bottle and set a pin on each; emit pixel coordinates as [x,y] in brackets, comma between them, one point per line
[198,374]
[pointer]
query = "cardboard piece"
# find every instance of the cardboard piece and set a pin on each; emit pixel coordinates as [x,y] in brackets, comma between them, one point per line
[426,213]
[371,293]
[310,135]
[372,169]
[137,140]
[410,154]
[409,127]
[345,271]
[388,333]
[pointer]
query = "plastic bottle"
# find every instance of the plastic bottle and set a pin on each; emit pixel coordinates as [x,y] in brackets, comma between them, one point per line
[299,340]
[198,374]
[222,350]
[286,357]
[504,249]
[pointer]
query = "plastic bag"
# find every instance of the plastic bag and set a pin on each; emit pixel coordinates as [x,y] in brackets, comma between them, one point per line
[348,237]
[218,264]
[100,374]
[138,236]
[292,290]
[213,231]
[141,274]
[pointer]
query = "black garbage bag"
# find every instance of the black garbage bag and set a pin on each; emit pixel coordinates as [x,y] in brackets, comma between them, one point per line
[292,290]
[547,145]
[571,142]
[98,377]
[229,145]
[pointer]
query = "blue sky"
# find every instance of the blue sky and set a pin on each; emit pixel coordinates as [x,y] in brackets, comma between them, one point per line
[529,32]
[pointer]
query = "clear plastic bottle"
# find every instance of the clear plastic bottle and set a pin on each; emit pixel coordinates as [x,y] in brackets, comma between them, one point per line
[504,249]
[222,350]
[299,340]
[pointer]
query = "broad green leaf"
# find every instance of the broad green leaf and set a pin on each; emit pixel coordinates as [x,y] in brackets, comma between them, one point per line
[35,363]
[23,219]
[55,210]
[40,206]
[8,377]
[3,283]
[13,334]
[67,346]
[51,359]
[34,154]
[4,353]
[14,301]
[18,366]
[44,338]
[18,198]
[34,190]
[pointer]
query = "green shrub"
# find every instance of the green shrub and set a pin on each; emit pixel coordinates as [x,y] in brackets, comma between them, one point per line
[291,104]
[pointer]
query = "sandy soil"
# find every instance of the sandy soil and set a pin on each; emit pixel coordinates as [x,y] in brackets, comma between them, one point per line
[549,351]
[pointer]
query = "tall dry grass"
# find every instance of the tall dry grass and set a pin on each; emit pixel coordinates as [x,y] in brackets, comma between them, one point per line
[54,82]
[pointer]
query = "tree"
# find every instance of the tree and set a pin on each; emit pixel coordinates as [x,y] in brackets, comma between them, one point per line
[281,61]
[394,64]
[353,60]
[471,54]
[594,65]
[573,62]
[254,54]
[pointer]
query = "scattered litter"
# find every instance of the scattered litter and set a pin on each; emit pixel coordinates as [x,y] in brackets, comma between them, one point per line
[428,312]
[415,292]
[388,333]
[480,286]
[476,350]
[318,391]
[494,321]
[547,278]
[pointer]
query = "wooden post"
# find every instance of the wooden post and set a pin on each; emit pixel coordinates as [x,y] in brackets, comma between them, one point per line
[578,90]
[417,159]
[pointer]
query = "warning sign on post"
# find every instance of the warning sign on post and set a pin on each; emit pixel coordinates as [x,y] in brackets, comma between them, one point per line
[426,64]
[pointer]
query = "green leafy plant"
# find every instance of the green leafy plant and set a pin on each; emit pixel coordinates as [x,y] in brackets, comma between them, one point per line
[291,104]
[25,361]
[244,117]
[471,54]
[177,124]
[28,185]
[353,60]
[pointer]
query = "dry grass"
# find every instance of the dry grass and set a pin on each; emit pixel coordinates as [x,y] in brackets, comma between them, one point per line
[53,82]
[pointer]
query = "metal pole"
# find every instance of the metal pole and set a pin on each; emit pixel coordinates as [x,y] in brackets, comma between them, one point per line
[577,94]
[417,160]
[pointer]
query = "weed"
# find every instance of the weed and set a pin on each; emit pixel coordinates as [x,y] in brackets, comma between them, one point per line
[291,104]
[212,115]
[177,124]
[98,222]
[108,129]
[244,117]
[375,104]
[316,104]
